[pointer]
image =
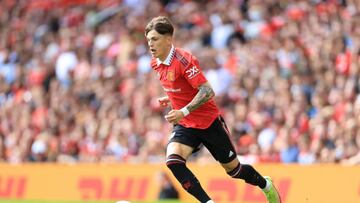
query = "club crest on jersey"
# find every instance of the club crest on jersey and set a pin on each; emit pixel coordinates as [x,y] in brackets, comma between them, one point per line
[170,76]
[191,72]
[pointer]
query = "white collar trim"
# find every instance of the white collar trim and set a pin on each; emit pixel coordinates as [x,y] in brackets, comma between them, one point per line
[168,59]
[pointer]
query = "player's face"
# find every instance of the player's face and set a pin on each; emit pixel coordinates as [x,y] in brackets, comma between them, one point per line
[159,44]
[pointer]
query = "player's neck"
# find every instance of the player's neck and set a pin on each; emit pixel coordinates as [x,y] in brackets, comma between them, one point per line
[166,53]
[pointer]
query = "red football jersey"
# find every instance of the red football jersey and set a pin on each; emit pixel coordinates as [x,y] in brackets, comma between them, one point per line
[180,76]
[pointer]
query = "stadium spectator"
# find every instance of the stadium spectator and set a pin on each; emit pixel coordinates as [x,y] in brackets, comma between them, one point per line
[167,188]
[75,84]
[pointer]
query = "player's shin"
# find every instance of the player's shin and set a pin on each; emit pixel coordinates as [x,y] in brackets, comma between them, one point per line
[189,182]
[249,174]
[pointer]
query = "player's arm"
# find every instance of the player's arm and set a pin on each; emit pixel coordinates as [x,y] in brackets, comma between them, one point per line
[205,93]
[164,101]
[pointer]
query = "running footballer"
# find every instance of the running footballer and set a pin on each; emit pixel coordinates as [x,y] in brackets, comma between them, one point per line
[195,116]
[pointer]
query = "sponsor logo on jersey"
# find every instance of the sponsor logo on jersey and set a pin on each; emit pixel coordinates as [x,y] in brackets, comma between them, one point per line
[172,90]
[192,72]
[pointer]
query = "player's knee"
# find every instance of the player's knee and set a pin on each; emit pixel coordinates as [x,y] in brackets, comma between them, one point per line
[173,159]
[234,173]
[231,165]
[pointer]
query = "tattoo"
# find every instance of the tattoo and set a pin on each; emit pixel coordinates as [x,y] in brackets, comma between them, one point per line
[205,94]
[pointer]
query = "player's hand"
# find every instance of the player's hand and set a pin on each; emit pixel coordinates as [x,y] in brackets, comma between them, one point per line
[164,101]
[174,116]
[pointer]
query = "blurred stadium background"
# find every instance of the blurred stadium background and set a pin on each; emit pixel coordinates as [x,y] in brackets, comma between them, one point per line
[79,119]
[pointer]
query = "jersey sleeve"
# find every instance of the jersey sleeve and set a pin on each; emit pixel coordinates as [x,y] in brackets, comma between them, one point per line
[193,73]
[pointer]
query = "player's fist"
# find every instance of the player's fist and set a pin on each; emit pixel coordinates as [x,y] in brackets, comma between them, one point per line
[174,116]
[164,101]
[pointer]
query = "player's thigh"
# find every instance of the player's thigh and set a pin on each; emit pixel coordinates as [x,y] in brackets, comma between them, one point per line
[180,149]
[217,140]
[183,142]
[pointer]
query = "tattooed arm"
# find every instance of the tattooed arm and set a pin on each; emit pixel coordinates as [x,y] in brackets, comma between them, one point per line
[205,94]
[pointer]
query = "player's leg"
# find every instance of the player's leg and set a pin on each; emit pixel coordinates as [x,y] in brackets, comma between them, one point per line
[246,172]
[180,147]
[218,142]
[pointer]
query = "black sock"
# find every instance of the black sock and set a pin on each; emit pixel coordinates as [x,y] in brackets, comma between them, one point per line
[249,174]
[187,179]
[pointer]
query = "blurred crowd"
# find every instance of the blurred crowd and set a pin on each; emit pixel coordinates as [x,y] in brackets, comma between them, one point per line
[76,83]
